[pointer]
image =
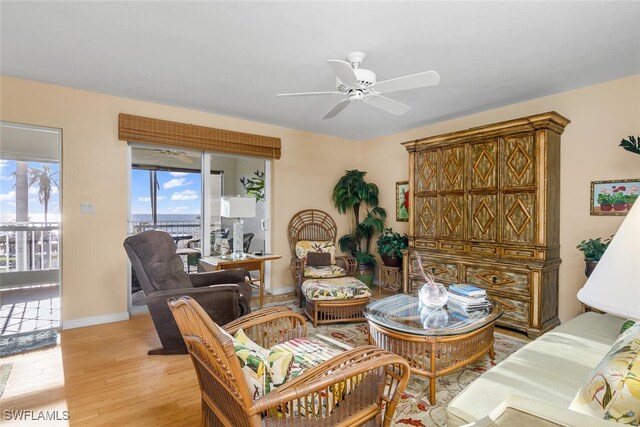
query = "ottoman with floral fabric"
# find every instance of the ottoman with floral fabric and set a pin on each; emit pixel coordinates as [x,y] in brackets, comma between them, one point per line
[331,292]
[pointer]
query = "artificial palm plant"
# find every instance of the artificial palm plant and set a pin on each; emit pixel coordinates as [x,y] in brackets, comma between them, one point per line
[353,194]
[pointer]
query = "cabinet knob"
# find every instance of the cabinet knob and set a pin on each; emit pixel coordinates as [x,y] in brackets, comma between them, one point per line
[433,270]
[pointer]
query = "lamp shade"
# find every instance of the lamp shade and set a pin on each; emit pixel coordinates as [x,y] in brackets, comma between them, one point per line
[614,285]
[238,207]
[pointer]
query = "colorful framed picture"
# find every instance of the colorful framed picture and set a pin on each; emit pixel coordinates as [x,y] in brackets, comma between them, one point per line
[614,197]
[402,201]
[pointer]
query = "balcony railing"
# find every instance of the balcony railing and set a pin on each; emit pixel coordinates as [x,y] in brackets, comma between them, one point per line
[181,231]
[29,246]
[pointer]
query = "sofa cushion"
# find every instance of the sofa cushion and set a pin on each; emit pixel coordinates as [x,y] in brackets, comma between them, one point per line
[551,368]
[612,391]
[323,246]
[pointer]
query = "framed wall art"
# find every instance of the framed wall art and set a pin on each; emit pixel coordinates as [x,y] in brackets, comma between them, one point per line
[614,197]
[402,201]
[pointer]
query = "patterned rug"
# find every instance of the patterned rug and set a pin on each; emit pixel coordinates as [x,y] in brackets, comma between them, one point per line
[414,408]
[19,343]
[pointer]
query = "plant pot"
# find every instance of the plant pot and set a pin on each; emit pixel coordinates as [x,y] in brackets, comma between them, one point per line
[619,206]
[391,260]
[606,208]
[366,273]
[629,206]
[590,265]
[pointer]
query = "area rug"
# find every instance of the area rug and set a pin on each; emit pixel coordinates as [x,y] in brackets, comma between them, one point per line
[414,408]
[19,343]
[5,370]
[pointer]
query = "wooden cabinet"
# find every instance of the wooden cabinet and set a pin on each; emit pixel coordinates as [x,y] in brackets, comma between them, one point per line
[485,210]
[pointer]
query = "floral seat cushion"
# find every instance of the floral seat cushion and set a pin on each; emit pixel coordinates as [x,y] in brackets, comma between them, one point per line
[307,354]
[324,272]
[612,391]
[333,289]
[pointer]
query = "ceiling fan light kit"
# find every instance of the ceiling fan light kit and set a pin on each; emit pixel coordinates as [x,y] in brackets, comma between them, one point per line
[358,84]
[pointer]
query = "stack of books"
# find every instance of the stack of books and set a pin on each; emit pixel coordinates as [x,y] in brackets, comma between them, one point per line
[468,300]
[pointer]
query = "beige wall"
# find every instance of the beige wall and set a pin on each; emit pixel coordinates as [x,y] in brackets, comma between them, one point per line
[600,117]
[95,170]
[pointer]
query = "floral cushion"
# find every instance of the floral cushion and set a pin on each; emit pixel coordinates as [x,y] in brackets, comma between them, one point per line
[325,272]
[612,391]
[304,246]
[306,355]
[262,369]
[332,289]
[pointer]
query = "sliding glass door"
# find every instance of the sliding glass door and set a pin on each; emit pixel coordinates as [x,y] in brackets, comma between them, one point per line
[30,248]
[179,192]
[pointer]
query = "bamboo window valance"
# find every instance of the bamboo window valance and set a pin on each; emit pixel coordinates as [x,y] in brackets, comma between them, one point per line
[183,135]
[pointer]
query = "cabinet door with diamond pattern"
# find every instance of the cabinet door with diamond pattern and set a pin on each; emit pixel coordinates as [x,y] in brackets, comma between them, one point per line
[483,225]
[519,222]
[452,220]
[426,168]
[425,220]
[483,165]
[452,169]
[519,161]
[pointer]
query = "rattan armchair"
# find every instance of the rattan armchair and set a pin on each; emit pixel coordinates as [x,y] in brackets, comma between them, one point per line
[313,224]
[376,378]
[317,225]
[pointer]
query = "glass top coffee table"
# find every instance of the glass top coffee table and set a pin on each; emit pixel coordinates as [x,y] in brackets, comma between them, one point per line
[434,342]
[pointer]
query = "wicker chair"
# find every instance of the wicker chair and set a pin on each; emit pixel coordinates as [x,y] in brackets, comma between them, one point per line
[317,225]
[377,378]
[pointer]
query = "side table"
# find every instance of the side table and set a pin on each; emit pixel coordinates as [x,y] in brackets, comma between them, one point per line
[389,278]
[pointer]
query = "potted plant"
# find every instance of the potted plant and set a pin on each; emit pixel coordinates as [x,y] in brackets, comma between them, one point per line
[593,249]
[604,200]
[617,198]
[390,245]
[353,194]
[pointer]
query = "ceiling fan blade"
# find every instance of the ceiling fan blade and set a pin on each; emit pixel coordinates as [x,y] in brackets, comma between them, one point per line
[307,93]
[337,108]
[388,105]
[344,71]
[413,81]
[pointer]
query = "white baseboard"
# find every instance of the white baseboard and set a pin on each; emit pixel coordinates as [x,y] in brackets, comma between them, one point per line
[281,291]
[96,320]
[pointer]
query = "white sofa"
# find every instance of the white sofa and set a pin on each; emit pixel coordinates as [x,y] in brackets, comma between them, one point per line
[544,376]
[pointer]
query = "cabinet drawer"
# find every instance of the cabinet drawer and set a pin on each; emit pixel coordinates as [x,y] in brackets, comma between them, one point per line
[499,279]
[516,312]
[442,272]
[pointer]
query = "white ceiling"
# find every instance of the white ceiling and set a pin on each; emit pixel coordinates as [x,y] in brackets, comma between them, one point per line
[231,58]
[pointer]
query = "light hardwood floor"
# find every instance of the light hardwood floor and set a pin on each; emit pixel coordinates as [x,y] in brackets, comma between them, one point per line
[102,376]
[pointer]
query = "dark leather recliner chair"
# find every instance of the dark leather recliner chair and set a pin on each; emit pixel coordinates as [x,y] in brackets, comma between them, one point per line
[161,274]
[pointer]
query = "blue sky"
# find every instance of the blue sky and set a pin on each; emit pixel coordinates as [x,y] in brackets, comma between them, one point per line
[8,193]
[179,192]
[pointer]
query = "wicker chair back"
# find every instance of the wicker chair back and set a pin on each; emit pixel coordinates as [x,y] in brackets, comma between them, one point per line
[311,224]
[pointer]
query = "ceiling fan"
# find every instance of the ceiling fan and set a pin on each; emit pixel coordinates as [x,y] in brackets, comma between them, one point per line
[357,84]
[179,155]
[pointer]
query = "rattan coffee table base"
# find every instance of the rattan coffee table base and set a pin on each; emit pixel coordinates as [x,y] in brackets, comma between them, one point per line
[336,311]
[434,356]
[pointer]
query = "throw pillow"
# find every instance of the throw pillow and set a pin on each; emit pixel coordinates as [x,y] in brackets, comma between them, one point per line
[626,325]
[318,259]
[305,246]
[275,365]
[612,391]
